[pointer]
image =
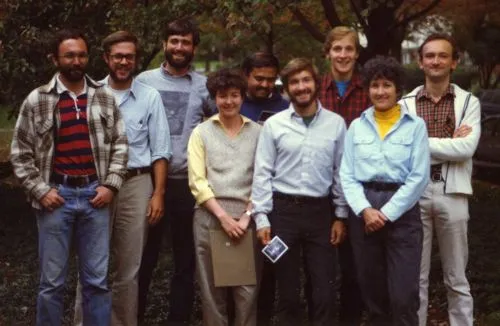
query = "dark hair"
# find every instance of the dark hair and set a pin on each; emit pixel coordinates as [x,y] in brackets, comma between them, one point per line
[119,37]
[440,36]
[66,34]
[182,27]
[384,67]
[297,65]
[226,78]
[259,60]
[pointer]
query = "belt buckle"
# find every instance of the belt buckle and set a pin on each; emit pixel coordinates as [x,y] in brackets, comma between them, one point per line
[436,176]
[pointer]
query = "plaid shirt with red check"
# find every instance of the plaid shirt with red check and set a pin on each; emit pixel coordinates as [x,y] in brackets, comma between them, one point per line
[438,116]
[351,105]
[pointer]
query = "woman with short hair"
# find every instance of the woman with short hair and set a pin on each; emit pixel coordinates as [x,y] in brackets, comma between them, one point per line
[384,171]
[221,155]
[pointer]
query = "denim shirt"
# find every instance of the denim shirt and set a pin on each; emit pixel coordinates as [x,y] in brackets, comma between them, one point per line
[401,157]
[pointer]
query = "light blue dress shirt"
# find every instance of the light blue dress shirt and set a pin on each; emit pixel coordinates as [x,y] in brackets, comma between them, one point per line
[296,159]
[146,125]
[401,157]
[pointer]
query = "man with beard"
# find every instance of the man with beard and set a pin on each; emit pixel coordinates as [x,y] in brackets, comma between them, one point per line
[185,98]
[69,151]
[296,179]
[262,101]
[140,201]
[342,92]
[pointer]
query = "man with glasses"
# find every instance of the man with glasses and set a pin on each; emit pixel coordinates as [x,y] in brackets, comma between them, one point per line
[69,150]
[140,200]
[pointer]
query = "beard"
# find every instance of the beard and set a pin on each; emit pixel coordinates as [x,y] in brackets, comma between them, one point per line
[303,105]
[188,57]
[114,76]
[72,74]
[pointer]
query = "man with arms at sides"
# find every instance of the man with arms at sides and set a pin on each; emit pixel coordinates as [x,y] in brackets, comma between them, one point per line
[452,116]
[185,98]
[296,178]
[342,92]
[262,100]
[140,201]
[69,150]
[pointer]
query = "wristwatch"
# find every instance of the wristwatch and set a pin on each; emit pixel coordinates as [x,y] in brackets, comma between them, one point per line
[249,213]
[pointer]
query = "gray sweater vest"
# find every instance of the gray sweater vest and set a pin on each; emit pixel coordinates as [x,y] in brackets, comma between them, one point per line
[229,162]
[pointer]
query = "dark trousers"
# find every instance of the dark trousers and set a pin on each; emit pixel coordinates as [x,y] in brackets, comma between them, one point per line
[305,227]
[351,301]
[179,210]
[388,264]
[266,297]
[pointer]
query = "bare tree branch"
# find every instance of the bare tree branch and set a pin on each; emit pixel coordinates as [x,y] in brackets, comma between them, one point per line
[331,13]
[360,17]
[416,15]
[307,25]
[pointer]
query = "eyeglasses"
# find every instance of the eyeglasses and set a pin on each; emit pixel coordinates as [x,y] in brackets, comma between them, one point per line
[82,56]
[119,57]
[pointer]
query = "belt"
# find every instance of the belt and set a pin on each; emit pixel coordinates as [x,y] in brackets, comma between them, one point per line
[299,199]
[436,174]
[137,171]
[381,186]
[73,180]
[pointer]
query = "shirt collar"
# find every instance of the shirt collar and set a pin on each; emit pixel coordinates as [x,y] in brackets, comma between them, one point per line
[132,89]
[217,118]
[61,88]
[294,114]
[423,93]
[355,81]
[189,73]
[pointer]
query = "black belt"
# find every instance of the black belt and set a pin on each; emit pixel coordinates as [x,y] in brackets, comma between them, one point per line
[299,199]
[436,174]
[137,171]
[73,180]
[381,186]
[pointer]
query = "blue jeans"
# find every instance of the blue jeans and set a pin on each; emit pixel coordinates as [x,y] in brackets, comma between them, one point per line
[90,227]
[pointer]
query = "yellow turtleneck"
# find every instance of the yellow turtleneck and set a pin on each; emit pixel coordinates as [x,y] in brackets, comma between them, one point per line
[386,119]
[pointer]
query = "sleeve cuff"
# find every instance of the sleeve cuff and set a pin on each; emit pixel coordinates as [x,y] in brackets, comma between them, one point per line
[40,190]
[261,221]
[204,196]
[114,180]
[360,205]
[341,212]
[157,157]
[390,212]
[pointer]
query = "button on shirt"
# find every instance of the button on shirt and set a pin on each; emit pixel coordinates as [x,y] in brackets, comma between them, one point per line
[401,157]
[300,160]
[146,125]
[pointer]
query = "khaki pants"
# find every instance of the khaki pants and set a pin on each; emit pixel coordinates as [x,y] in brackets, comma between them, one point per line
[446,215]
[214,299]
[128,227]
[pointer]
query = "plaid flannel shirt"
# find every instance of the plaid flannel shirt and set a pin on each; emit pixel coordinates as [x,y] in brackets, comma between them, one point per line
[439,117]
[32,147]
[351,105]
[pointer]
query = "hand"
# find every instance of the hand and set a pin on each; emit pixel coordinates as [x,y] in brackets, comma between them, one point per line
[51,200]
[462,131]
[338,233]
[155,209]
[374,220]
[231,227]
[244,221]
[264,235]
[103,197]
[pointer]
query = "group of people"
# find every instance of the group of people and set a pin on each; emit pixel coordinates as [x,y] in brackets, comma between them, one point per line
[346,172]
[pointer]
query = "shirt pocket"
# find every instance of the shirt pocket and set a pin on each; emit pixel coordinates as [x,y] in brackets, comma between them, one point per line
[364,147]
[323,151]
[137,132]
[44,130]
[400,148]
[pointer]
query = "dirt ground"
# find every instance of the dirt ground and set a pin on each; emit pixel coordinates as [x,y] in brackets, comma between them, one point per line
[19,274]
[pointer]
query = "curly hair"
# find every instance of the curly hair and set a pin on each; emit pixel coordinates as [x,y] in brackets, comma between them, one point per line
[224,79]
[384,67]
